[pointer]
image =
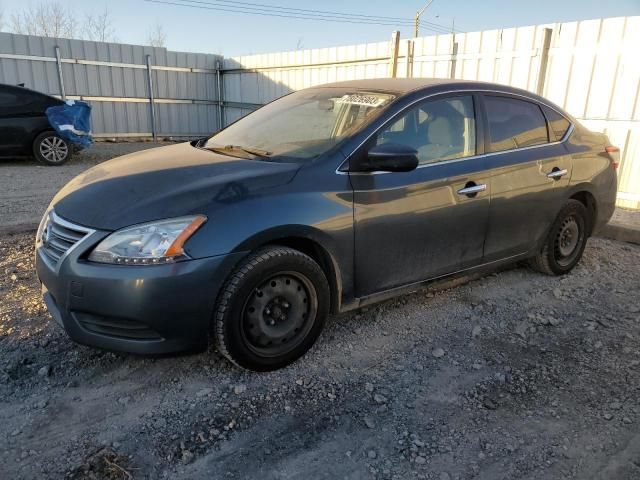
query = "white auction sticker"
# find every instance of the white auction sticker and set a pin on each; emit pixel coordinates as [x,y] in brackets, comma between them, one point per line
[362,99]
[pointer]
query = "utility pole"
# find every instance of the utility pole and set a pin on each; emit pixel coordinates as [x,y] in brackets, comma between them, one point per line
[417,21]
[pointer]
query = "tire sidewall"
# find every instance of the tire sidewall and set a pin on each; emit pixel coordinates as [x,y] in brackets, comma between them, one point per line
[579,212]
[36,148]
[235,341]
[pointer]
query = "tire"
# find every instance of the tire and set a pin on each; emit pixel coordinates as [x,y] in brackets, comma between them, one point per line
[50,149]
[271,309]
[565,242]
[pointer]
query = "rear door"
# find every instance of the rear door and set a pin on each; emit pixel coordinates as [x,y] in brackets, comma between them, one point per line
[530,171]
[21,111]
[412,226]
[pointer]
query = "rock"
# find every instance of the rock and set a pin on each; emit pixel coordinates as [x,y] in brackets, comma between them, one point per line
[187,456]
[368,421]
[368,387]
[445,476]
[299,381]
[615,405]
[557,293]
[489,403]
[438,352]
[238,389]
[124,400]
[45,371]
[627,420]
[14,277]
[204,392]
[477,330]
[420,460]
[372,454]
[379,398]
[607,416]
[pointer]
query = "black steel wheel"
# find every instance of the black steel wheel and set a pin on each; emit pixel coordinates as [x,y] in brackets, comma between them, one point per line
[566,241]
[272,309]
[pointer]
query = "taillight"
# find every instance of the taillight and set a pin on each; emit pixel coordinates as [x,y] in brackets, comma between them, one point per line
[614,155]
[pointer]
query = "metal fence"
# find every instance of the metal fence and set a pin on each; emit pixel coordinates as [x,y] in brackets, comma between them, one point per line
[135,91]
[588,67]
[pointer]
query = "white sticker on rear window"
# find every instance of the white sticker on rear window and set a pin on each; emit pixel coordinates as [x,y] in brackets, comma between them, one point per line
[362,99]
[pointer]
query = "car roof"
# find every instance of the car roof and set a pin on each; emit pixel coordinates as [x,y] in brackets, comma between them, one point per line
[405,86]
[20,88]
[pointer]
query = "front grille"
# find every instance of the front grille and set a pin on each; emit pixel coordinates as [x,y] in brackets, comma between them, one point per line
[115,327]
[59,236]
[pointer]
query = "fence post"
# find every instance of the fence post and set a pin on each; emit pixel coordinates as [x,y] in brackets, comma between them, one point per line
[393,57]
[152,105]
[544,60]
[410,50]
[60,77]
[454,58]
[220,99]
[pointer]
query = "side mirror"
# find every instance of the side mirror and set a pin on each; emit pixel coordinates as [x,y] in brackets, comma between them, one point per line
[392,157]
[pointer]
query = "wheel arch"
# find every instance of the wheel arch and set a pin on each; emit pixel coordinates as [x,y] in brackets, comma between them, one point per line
[311,242]
[588,199]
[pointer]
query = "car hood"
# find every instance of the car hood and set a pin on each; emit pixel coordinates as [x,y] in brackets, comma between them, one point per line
[164,182]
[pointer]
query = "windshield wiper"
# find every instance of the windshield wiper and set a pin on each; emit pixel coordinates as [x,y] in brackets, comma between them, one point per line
[234,148]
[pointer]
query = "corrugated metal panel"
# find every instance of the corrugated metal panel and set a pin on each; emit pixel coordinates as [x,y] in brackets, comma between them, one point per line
[128,80]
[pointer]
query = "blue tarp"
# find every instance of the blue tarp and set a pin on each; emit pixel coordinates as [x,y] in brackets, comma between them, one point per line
[72,121]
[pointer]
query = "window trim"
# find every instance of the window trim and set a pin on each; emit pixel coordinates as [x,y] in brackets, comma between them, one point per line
[480,125]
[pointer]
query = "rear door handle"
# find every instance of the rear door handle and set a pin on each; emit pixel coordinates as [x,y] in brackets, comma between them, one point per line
[557,173]
[472,189]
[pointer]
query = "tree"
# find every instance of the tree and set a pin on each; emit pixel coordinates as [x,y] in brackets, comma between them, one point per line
[46,19]
[157,36]
[99,27]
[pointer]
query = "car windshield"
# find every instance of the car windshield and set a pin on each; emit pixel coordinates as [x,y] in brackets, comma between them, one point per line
[300,126]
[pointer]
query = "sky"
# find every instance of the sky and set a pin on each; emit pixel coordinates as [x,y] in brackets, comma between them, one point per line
[231,34]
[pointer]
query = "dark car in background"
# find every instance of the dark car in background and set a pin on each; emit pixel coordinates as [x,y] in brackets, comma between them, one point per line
[325,200]
[25,129]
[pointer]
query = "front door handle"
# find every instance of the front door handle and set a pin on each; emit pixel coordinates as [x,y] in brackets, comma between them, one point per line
[471,189]
[556,173]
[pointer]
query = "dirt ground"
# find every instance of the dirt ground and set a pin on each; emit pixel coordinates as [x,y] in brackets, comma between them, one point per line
[512,376]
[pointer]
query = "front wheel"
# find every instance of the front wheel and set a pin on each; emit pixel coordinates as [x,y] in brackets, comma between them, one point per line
[271,309]
[51,149]
[566,241]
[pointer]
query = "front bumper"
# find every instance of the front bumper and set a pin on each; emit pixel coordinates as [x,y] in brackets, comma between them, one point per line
[152,309]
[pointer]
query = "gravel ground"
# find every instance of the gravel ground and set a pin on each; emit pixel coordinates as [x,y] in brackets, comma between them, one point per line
[512,376]
[27,187]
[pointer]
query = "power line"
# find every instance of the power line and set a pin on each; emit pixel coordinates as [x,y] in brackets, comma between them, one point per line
[328,17]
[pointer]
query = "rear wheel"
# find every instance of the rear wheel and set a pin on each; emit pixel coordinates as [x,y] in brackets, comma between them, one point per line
[49,148]
[271,309]
[566,241]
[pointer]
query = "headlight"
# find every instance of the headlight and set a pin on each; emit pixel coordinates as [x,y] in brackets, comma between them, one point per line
[149,243]
[44,224]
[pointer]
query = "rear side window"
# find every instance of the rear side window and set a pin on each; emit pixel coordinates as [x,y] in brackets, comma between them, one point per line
[558,124]
[514,123]
[8,99]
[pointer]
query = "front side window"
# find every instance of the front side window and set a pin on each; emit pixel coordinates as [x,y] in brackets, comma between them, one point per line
[304,124]
[438,130]
[514,123]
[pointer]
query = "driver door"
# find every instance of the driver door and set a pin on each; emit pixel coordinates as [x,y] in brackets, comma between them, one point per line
[413,226]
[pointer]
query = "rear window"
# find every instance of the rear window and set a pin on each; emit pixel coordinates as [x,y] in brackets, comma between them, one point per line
[558,124]
[514,123]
